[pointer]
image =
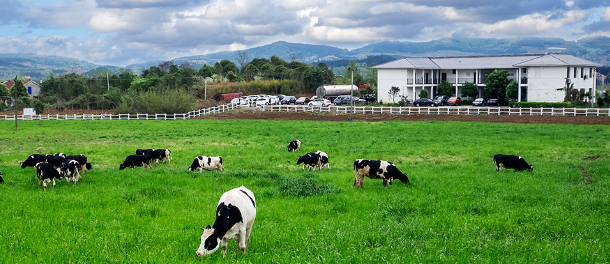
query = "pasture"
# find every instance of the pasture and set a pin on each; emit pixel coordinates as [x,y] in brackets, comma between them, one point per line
[458,208]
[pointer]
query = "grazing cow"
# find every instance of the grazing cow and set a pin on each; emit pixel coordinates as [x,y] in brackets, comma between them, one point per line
[323,159]
[1,180]
[511,162]
[46,173]
[136,160]
[144,151]
[234,219]
[207,163]
[69,169]
[34,159]
[162,154]
[60,155]
[377,169]
[310,160]
[82,160]
[56,161]
[294,146]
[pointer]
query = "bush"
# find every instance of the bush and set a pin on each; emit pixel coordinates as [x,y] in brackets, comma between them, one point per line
[38,106]
[541,104]
[167,101]
[2,106]
[303,187]
[423,94]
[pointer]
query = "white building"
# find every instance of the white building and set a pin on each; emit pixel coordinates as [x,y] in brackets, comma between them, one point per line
[539,75]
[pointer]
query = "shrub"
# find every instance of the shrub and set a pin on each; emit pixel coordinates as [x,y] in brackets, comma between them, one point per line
[166,101]
[541,104]
[38,106]
[423,94]
[2,106]
[303,187]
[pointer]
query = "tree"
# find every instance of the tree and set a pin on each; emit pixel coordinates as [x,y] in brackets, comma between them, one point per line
[470,90]
[166,65]
[242,59]
[445,88]
[495,84]
[328,73]
[568,89]
[313,77]
[38,106]
[250,71]
[512,90]
[423,93]
[294,56]
[393,92]
[231,76]
[3,90]
[206,71]
[18,89]
[184,65]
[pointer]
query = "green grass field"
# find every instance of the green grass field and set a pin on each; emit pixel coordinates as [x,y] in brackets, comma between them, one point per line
[458,208]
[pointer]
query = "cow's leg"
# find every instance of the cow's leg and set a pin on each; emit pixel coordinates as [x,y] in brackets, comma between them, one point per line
[500,166]
[248,231]
[53,180]
[240,239]
[224,242]
[385,182]
[79,177]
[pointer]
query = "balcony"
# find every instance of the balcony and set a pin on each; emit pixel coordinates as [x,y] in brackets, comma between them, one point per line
[524,80]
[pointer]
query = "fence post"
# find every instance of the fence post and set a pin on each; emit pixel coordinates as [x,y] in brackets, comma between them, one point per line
[574,111]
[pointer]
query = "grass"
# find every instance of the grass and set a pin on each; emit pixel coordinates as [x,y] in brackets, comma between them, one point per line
[458,208]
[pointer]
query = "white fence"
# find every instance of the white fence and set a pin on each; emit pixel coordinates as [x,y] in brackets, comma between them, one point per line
[192,114]
[442,110]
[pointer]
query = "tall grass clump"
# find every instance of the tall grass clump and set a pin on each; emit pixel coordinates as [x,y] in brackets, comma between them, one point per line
[303,187]
[158,102]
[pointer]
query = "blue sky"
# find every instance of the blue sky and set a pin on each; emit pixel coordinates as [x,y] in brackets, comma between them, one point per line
[122,32]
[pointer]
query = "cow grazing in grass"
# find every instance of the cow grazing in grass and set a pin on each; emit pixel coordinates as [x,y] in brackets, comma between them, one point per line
[34,159]
[82,160]
[136,160]
[323,159]
[144,151]
[162,154]
[46,173]
[294,146]
[310,160]
[207,163]
[69,169]
[1,179]
[63,155]
[56,161]
[511,162]
[235,215]
[377,169]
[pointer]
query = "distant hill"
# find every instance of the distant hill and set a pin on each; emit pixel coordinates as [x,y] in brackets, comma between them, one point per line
[596,49]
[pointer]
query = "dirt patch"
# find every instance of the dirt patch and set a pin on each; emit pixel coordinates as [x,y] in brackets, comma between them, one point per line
[253,114]
[586,176]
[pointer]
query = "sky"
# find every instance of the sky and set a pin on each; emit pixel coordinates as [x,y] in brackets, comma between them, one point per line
[120,33]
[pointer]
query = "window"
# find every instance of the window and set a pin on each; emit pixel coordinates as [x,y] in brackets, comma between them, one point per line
[524,70]
[454,71]
[590,72]
[29,89]
[574,72]
[582,72]
[468,74]
[568,73]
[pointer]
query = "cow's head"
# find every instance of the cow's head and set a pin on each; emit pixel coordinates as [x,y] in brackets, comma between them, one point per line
[210,241]
[122,167]
[88,166]
[530,167]
[300,160]
[23,165]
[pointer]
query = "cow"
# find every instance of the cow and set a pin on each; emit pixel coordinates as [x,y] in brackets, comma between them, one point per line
[82,160]
[34,159]
[144,151]
[60,155]
[54,160]
[46,173]
[1,180]
[511,162]
[207,163]
[310,160]
[162,154]
[235,215]
[69,169]
[377,169]
[136,160]
[323,159]
[294,146]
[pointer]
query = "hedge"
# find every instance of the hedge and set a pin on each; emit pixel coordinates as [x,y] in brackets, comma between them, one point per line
[540,104]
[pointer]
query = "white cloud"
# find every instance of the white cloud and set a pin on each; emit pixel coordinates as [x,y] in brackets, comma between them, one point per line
[107,22]
[569,3]
[606,14]
[532,24]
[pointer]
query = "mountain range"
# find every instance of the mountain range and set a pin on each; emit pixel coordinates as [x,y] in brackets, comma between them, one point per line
[596,49]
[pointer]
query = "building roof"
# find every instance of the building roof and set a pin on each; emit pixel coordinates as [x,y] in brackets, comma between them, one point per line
[9,84]
[487,62]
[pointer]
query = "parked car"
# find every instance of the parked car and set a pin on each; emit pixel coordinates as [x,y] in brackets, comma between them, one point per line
[235,101]
[313,98]
[252,98]
[261,101]
[478,102]
[369,98]
[424,102]
[281,97]
[289,100]
[492,102]
[320,102]
[441,100]
[302,101]
[273,100]
[343,99]
[454,100]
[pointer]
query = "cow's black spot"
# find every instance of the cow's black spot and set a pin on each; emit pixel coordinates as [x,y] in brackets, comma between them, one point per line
[226,217]
[251,200]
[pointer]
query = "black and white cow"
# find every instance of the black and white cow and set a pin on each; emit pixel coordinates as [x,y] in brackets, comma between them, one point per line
[1,179]
[34,159]
[310,160]
[235,215]
[56,161]
[511,162]
[136,160]
[207,163]
[69,169]
[323,159]
[294,146]
[46,173]
[82,160]
[377,169]
[60,155]
[162,154]
[144,151]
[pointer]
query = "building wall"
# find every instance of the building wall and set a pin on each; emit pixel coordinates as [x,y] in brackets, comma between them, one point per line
[32,87]
[386,78]
[543,83]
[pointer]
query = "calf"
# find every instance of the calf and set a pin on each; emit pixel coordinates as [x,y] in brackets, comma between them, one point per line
[294,146]
[56,161]
[377,169]
[323,159]
[162,154]
[207,163]
[310,160]
[511,162]
[136,160]
[69,169]
[46,173]
[34,159]
[82,160]
[235,215]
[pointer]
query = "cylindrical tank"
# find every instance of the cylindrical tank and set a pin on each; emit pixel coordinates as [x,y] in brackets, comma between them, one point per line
[334,90]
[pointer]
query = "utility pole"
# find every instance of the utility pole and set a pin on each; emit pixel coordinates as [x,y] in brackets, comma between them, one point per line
[351,98]
[15,102]
[107,81]
[205,83]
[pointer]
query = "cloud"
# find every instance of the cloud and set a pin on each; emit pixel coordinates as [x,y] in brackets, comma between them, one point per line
[606,14]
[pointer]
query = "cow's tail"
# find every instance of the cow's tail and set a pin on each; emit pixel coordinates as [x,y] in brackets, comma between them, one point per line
[355,162]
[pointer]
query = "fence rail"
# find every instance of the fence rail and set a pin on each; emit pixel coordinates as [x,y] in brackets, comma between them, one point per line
[442,110]
[192,114]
